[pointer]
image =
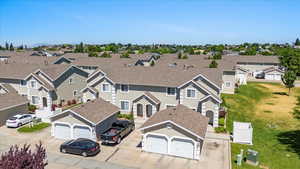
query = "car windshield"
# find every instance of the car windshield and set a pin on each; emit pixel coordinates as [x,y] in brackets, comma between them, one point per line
[13,118]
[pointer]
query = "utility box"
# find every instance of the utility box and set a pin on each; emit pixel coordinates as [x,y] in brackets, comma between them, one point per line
[252,157]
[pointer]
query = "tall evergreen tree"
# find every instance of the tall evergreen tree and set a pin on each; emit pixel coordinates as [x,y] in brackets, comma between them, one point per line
[297,43]
[6,46]
[11,47]
[288,79]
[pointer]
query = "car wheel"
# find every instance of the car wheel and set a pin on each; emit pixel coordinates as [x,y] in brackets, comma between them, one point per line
[119,140]
[63,150]
[84,154]
[19,125]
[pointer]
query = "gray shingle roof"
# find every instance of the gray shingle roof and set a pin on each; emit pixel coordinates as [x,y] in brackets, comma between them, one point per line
[12,98]
[182,116]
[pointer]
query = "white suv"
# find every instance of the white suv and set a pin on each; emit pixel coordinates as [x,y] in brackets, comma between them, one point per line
[19,120]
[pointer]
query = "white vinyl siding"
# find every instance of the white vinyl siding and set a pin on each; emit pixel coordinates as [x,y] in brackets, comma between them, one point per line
[190,93]
[35,100]
[105,87]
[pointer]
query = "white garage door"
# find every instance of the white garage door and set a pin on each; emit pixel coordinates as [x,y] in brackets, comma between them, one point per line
[182,148]
[277,77]
[81,132]
[156,144]
[62,131]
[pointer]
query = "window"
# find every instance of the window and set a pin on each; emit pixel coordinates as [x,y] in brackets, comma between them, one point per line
[75,93]
[70,81]
[149,110]
[125,105]
[33,84]
[35,100]
[23,83]
[105,87]
[227,84]
[190,93]
[171,91]
[170,106]
[124,88]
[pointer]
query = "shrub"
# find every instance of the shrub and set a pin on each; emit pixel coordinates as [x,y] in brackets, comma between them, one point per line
[184,57]
[126,116]
[222,121]
[74,101]
[105,55]
[152,63]
[220,130]
[124,55]
[213,64]
[24,157]
[32,108]
[69,102]
[60,105]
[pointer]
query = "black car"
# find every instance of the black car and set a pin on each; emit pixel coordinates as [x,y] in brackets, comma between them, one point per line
[80,146]
[119,130]
[260,76]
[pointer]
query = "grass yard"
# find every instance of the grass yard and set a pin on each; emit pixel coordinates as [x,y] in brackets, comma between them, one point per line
[274,116]
[35,128]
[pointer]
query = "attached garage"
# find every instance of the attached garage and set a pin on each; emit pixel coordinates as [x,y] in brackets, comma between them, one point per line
[84,121]
[156,144]
[182,147]
[62,131]
[80,131]
[273,74]
[178,131]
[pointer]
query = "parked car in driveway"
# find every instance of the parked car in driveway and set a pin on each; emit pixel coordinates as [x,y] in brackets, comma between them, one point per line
[260,76]
[119,130]
[19,120]
[80,146]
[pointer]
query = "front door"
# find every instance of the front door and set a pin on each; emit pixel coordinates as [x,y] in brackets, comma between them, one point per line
[45,102]
[210,115]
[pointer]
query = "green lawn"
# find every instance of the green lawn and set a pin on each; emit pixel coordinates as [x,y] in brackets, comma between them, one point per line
[37,127]
[279,148]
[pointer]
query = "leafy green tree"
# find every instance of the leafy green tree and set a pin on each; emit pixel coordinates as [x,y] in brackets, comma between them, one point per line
[179,55]
[288,79]
[217,56]
[11,47]
[105,55]
[124,55]
[213,64]
[93,54]
[79,48]
[297,43]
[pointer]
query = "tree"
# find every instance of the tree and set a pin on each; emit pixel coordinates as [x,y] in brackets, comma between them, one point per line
[288,79]
[6,46]
[105,55]
[124,55]
[179,55]
[213,64]
[11,47]
[217,56]
[297,43]
[24,158]
[152,63]
[79,48]
[93,54]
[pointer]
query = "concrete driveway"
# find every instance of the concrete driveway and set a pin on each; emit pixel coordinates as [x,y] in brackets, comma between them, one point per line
[128,154]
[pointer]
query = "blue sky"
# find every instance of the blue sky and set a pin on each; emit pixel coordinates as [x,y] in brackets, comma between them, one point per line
[149,21]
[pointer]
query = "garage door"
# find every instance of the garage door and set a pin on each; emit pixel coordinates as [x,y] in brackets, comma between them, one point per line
[81,132]
[277,77]
[182,148]
[62,131]
[156,144]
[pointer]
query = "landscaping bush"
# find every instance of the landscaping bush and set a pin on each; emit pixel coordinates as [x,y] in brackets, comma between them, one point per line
[222,121]
[32,108]
[69,102]
[53,107]
[74,101]
[24,158]
[34,128]
[126,116]
[220,130]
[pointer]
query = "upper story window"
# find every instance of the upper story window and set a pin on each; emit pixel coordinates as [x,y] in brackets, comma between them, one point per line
[70,81]
[171,91]
[105,87]
[190,93]
[33,84]
[125,105]
[124,88]
[23,83]
[75,93]
[35,100]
